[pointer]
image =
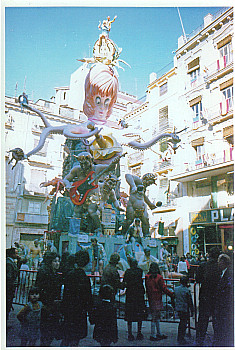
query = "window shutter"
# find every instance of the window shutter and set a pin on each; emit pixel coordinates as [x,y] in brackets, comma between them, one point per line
[163,119]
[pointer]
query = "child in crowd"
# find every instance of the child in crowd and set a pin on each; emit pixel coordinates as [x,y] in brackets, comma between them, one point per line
[155,287]
[30,318]
[104,317]
[183,305]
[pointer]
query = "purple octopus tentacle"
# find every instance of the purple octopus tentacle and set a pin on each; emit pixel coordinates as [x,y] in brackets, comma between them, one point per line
[146,145]
[41,115]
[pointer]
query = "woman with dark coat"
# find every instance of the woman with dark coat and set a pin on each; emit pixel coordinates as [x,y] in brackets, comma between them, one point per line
[135,309]
[155,287]
[49,282]
[77,301]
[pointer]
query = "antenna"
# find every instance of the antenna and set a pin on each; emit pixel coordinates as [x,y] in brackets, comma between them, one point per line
[25,84]
[16,89]
[184,35]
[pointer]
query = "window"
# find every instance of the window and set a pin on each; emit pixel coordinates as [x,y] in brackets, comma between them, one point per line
[194,70]
[136,171]
[34,207]
[197,112]
[228,96]
[163,89]
[163,119]
[43,151]
[225,52]
[64,95]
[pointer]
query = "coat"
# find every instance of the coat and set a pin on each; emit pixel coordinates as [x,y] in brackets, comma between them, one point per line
[135,309]
[77,302]
[111,276]
[104,316]
[224,310]
[208,275]
[155,287]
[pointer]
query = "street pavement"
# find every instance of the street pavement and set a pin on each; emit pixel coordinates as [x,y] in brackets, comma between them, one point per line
[169,329]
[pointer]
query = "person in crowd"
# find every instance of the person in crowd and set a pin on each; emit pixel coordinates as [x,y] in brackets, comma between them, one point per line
[182,266]
[12,273]
[34,255]
[183,305]
[24,276]
[224,305]
[155,287]
[164,255]
[110,275]
[49,282]
[175,259]
[134,234]
[208,275]
[22,253]
[104,316]
[146,259]
[135,309]
[98,255]
[30,318]
[77,301]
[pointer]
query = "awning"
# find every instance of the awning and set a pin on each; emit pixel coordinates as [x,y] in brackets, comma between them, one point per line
[226,84]
[197,142]
[225,41]
[195,101]
[193,65]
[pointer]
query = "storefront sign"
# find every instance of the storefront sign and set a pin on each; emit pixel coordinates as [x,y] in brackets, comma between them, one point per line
[222,215]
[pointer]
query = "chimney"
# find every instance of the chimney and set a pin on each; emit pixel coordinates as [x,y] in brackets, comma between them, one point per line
[208,19]
[152,77]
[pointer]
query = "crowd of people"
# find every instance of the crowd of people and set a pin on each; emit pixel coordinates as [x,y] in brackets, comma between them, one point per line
[61,302]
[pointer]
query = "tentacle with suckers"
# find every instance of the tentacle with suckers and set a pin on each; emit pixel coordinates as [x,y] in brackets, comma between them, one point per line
[143,146]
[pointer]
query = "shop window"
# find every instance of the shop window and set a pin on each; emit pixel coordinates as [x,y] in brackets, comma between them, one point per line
[163,89]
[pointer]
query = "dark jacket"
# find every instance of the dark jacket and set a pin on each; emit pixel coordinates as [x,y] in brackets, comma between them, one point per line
[183,299]
[208,276]
[104,316]
[111,276]
[77,302]
[135,309]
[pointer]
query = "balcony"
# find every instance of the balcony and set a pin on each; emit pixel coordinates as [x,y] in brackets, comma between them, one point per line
[217,70]
[27,218]
[135,159]
[163,166]
[206,166]
[220,112]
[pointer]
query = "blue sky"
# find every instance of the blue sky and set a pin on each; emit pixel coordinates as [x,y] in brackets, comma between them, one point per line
[43,43]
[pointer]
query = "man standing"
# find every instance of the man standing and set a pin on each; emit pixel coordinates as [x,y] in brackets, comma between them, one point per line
[208,275]
[11,277]
[224,306]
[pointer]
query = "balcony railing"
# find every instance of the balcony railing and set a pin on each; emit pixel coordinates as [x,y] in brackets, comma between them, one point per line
[31,218]
[207,160]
